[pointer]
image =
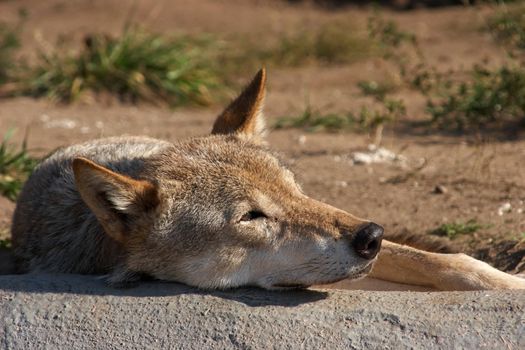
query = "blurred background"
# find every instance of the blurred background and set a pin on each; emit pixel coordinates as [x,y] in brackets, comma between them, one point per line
[410,113]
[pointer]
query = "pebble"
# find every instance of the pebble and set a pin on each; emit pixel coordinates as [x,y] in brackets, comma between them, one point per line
[504,209]
[440,189]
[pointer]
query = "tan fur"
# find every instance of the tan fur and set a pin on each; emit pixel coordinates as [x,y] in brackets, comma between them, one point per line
[244,115]
[97,185]
[403,264]
[218,211]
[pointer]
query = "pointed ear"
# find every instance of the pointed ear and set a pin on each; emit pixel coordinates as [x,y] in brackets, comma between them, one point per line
[244,115]
[115,199]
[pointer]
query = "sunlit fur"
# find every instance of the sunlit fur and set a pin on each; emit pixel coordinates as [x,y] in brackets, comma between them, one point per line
[129,206]
[194,235]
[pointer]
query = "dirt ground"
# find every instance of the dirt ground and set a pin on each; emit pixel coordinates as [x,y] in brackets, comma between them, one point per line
[479,173]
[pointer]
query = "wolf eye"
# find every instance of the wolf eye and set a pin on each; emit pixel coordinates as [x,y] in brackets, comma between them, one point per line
[253,215]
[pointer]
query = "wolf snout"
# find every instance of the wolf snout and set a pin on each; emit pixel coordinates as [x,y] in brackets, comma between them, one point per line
[367,240]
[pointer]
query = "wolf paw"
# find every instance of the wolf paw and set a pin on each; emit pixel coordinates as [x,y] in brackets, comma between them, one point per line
[472,274]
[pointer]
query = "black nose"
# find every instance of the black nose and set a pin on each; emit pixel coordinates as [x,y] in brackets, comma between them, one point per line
[367,241]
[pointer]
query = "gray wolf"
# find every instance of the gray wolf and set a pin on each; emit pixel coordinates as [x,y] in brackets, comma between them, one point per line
[217,211]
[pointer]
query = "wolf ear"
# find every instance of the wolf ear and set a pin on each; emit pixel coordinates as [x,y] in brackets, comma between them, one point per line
[244,115]
[115,199]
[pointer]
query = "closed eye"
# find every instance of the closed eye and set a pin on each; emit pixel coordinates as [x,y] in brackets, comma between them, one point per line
[253,215]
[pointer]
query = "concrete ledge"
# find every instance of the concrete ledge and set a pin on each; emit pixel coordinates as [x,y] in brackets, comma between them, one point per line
[80,312]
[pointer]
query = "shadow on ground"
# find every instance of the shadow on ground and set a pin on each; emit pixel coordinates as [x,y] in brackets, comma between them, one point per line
[95,286]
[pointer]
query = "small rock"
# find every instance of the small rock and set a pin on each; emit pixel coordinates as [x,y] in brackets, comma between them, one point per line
[64,123]
[377,155]
[342,183]
[440,189]
[504,208]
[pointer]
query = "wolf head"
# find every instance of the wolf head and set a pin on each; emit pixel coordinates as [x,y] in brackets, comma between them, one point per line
[224,211]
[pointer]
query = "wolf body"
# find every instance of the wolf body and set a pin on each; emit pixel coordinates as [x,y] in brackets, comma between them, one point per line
[218,211]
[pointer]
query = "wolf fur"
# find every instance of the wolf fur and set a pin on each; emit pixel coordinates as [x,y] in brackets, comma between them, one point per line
[217,211]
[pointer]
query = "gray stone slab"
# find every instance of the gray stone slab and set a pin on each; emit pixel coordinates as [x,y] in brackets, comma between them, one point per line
[80,312]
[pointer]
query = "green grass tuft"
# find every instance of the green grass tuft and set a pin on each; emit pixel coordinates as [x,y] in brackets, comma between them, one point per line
[5,243]
[455,229]
[489,97]
[135,66]
[313,120]
[508,26]
[15,166]
[471,99]
[388,34]
[365,120]
[9,43]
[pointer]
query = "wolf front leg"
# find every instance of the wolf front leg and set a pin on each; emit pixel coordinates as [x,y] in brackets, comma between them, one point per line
[404,264]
